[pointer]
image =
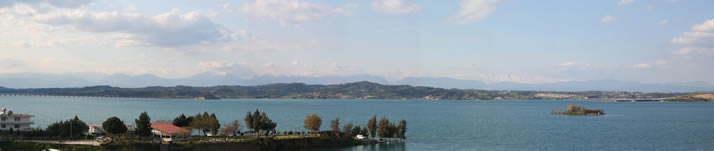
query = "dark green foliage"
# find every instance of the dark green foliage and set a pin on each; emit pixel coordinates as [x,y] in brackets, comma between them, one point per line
[114,125]
[402,127]
[143,125]
[372,126]
[69,128]
[335,125]
[364,132]
[182,121]
[347,129]
[355,131]
[260,122]
[205,122]
[383,127]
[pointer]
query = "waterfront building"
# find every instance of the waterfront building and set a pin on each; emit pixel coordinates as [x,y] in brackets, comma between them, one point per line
[15,122]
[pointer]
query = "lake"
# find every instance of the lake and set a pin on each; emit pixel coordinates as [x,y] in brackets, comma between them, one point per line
[432,125]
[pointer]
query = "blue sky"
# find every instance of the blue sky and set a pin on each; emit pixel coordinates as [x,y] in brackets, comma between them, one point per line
[655,41]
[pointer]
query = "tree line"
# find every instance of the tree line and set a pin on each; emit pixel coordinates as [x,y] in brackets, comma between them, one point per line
[257,122]
[383,129]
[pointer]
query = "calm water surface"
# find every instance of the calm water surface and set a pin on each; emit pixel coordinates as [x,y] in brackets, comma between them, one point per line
[432,125]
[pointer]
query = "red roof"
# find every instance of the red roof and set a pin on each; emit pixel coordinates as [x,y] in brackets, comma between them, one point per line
[167,128]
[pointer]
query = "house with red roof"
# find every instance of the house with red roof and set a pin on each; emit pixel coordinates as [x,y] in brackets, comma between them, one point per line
[169,132]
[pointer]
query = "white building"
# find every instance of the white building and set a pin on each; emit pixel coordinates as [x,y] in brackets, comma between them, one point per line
[95,129]
[16,122]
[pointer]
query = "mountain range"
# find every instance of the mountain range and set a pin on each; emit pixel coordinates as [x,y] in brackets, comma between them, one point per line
[48,80]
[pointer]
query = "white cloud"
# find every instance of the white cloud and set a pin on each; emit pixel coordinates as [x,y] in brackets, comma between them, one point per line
[568,64]
[624,2]
[692,50]
[396,6]
[700,39]
[642,66]
[701,34]
[664,21]
[292,12]
[473,11]
[171,29]
[608,19]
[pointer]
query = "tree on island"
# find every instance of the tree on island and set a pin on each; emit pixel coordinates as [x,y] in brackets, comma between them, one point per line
[143,125]
[372,126]
[313,122]
[69,128]
[335,125]
[402,127]
[364,132]
[231,129]
[347,129]
[355,131]
[260,122]
[114,125]
[383,128]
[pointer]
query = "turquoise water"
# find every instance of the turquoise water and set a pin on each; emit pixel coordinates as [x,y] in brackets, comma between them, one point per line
[432,125]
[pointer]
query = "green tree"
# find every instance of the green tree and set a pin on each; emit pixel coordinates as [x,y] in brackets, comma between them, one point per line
[364,132]
[335,125]
[372,126]
[114,125]
[249,121]
[347,129]
[181,121]
[402,129]
[355,131]
[267,124]
[69,128]
[383,128]
[214,124]
[206,123]
[143,125]
[313,122]
[260,122]
[392,131]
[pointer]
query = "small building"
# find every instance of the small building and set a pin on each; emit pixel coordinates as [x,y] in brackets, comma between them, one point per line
[98,129]
[16,122]
[95,129]
[169,132]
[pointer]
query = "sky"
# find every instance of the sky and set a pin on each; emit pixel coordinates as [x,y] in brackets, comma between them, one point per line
[526,41]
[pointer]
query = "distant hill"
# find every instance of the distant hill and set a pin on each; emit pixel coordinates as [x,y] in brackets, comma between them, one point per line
[355,90]
[45,80]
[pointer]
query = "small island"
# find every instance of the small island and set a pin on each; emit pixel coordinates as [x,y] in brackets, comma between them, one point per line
[579,110]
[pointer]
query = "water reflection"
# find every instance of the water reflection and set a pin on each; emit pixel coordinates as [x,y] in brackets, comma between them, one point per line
[371,147]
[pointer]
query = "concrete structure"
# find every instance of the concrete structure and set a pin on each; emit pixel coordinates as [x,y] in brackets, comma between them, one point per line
[16,122]
[95,129]
[169,132]
[98,129]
